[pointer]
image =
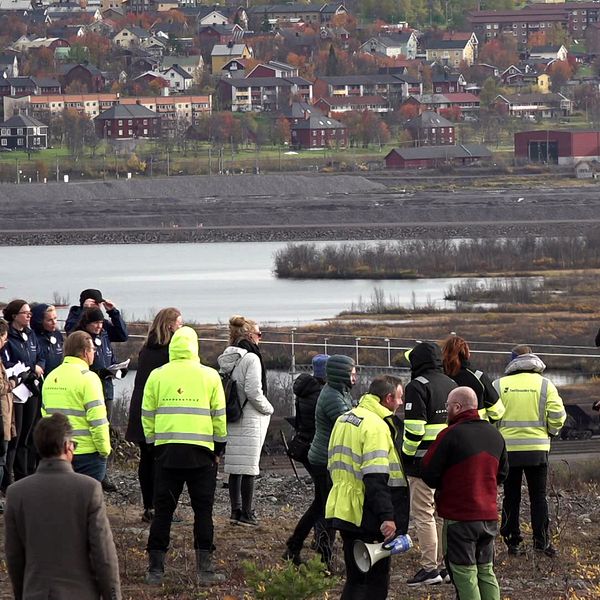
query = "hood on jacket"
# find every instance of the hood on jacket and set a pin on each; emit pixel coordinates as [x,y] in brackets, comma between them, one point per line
[525,362]
[231,355]
[37,316]
[305,385]
[184,345]
[425,356]
[338,371]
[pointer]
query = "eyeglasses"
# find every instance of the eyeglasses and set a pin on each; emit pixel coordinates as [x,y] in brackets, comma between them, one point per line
[28,313]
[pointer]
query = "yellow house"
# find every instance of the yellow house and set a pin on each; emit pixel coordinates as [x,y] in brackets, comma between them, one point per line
[223,53]
[451,52]
[543,82]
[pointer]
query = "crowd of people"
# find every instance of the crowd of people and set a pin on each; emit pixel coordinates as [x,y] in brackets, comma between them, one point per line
[461,436]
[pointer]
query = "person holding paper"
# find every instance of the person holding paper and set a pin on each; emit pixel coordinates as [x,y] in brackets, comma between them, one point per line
[22,347]
[6,402]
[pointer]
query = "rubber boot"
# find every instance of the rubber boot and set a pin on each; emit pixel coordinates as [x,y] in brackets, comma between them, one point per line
[156,567]
[205,570]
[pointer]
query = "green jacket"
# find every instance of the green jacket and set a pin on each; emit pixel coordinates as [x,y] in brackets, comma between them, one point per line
[184,402]
[75,391]
[334,400]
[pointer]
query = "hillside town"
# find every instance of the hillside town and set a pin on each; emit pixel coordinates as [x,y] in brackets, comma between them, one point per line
[443,82]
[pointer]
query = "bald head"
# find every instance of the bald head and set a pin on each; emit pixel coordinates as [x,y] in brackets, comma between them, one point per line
[460,399]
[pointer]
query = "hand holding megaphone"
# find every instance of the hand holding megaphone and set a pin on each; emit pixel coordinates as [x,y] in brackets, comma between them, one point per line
[366,555]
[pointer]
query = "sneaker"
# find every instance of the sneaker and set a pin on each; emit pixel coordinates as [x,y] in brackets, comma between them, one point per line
[445,576]
[516,549]
[248,519]
[236,514]
[424,577]
[549,550]
[148,515]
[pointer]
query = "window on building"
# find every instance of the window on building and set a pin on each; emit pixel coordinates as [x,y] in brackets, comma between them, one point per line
[109,132]
[120,132]
[120,122]
[541,26]
[145,132]
[4,142]
[145,121]
[20,142]
[20,131]
[131,132]
[130,122]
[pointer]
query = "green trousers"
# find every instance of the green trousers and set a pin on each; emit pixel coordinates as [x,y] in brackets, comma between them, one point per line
[469,554]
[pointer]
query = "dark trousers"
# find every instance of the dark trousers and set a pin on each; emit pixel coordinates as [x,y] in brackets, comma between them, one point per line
[168,485]
[325,535]
[372,585]
[313,517]
[146,474]
[241,493]
[536,477]
[91,464]
[17,458]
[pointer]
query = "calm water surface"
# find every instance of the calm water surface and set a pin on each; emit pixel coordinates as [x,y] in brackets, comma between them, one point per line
[208,282]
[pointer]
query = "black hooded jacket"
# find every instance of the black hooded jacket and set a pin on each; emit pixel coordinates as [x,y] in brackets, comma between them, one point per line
[424,403]
[306,389]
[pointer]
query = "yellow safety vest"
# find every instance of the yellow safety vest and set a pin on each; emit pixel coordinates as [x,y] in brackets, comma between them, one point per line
[361,443]
[75,391]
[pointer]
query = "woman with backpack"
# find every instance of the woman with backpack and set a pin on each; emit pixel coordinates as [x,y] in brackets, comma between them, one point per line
[243,361]
[154,354]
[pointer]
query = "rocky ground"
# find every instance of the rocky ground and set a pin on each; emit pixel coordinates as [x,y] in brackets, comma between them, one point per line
[280,499]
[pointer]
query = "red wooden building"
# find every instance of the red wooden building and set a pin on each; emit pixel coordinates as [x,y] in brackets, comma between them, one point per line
[558,147]
[429,157]
[127,121]
[319,131]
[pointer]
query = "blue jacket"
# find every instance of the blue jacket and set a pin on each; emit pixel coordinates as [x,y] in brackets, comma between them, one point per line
[51,343]
[114,330]
[22,346]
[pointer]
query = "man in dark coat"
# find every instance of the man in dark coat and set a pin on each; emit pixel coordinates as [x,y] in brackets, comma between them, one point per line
[465,465]
[58,540]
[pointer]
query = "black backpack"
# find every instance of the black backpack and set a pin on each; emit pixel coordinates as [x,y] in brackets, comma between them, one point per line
[233,407]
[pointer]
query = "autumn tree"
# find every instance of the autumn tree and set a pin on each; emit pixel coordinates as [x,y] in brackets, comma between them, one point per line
[281,132]
[560,72]
[332,62]
[500,52]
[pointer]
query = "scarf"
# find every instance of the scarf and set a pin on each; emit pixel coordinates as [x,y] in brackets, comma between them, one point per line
[253,348]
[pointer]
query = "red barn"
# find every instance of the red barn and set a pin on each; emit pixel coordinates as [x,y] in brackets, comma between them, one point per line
[429,157]
[558,147]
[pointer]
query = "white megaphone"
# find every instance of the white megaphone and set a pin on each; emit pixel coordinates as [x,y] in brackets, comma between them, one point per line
[366,555]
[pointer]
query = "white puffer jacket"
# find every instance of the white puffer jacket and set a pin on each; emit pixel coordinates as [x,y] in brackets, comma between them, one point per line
[246,437]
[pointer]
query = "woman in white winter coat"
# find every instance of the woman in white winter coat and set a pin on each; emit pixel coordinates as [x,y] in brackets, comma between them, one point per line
[245,437]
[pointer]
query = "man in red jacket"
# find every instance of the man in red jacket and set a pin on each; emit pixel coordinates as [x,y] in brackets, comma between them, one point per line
[464,465]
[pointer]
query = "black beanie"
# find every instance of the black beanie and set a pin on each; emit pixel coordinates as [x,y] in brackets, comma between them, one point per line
[93,314]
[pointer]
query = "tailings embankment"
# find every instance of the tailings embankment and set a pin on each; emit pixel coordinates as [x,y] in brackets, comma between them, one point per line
[280,208]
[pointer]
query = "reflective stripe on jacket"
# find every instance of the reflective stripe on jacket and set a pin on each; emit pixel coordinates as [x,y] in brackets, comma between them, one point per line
[534,411]
[361,443]
[75,391]
[184,402]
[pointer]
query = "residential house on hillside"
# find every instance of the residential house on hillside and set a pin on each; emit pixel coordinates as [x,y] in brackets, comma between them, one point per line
[130,36]
[9,67]
[296,111]
[535,106]
[431,129]
[202,16]
[467,103]
[549,52]
[448,83]
[393,45]
[125,122]
[236,67]
[21,132]
[318,131]
[516,77]
[192,64]
[392,87]
[23,86]
[295,12]
[298,42]
[342,104]
[89,78]
[451,52]
[220,34]
[179,79]
[222,53]
[273,68]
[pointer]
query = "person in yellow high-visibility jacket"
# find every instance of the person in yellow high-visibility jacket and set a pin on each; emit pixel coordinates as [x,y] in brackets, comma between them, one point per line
[369,498]
[183,415]
[75,391]
[534,413]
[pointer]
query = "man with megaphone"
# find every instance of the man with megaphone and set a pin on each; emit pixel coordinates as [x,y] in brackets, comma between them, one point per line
[369,499]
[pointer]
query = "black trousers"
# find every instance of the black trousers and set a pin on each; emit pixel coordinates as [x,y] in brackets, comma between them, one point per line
[17,463]
[168,485]
[146,473]
[313,517]
[510,530]
[372,585]
[325,535]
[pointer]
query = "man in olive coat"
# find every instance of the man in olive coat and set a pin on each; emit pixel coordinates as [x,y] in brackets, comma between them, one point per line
[58,541]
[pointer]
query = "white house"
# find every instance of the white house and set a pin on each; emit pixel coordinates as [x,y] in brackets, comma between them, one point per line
[404,43]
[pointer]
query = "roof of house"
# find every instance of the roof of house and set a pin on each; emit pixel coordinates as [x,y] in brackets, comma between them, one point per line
[228,49]
[334,101]
[23,121]
[447,44]
[445,76]
[533,98]
[442,152]
[318,122]
[179,71]
[428,118]
[548,49]
[299,110]
[127,111]
[446,98]
[182,61]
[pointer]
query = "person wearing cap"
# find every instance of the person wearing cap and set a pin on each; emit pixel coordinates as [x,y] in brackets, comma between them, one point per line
[89,298]
[425,416]
[369,499]
[307,388]
[334,400]
[22,347]
[534,414]
[76,391]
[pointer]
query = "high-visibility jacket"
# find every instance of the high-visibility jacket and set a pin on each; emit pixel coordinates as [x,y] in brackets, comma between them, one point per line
[534,411]
[361,444]
[75,391]
[184,402]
